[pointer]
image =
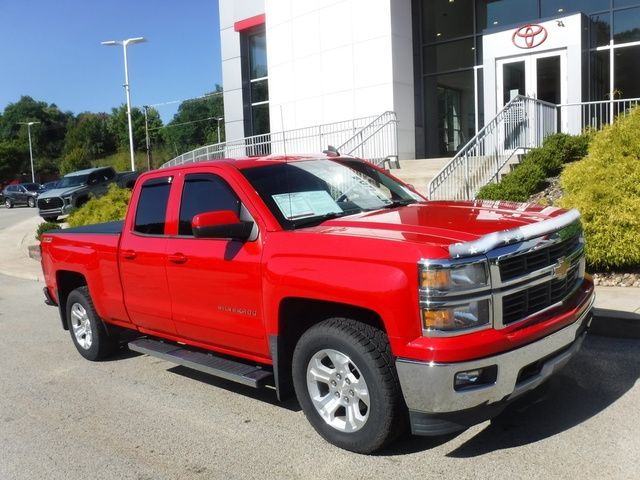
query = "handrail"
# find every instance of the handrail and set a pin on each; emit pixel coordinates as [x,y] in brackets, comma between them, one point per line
[341,147]
[307,139]
[522,123]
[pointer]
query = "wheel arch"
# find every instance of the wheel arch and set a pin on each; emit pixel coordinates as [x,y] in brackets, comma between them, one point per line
[295,316]
[67,281]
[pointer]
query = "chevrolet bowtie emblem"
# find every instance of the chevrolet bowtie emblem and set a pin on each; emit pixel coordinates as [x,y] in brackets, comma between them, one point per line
[562,268]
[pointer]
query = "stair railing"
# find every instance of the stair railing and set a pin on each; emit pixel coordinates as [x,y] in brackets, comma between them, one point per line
[522,123]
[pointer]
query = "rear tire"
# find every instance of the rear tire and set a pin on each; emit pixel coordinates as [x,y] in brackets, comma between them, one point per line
[8,203]
[31,202]
[87,330]
[345,380]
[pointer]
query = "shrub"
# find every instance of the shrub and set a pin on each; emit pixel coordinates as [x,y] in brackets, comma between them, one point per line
[110,207]
[45,227]
[605,188]
[517,186]
[538,164]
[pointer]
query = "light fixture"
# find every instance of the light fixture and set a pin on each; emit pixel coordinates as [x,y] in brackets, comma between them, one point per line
[125,43]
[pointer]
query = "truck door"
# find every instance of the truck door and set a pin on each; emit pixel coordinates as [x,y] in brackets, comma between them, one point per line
[143,259]
[215,284]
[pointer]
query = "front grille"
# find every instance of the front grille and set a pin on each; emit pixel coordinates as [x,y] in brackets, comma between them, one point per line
[526,263]
[49,203]
[526,302]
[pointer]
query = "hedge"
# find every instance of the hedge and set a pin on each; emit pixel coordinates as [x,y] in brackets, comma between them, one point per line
[605,188]
[109,207]
[530,176]
[45,227]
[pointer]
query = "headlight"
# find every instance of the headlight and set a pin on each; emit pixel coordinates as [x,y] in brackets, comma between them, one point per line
[454,296]
[459,317]
[454,278]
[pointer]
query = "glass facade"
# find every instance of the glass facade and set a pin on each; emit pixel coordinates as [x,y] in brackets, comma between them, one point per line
[448,60]
[256,82]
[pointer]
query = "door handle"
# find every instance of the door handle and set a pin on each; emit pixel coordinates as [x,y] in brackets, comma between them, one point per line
[177,258]
[129,254]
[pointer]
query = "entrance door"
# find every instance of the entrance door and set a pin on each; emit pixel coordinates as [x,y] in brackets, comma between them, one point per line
[541,76]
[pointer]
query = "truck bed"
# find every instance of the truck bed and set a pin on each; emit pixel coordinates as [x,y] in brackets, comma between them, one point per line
[108,228]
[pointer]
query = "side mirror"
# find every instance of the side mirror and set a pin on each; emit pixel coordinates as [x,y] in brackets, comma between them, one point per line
[222,224]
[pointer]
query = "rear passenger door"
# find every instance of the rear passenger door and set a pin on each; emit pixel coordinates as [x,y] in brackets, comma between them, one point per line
[21,194]
[143,259]
[215,284]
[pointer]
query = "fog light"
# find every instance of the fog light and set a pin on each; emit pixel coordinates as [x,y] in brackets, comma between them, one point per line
[475,378]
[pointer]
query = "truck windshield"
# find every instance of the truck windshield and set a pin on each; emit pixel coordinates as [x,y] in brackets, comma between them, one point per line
[73,181]
[305,193]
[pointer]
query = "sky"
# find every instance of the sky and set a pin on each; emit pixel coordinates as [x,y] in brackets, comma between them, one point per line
[51,51]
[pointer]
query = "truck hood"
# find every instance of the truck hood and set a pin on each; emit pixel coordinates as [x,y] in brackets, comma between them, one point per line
[59,192]
[440,223]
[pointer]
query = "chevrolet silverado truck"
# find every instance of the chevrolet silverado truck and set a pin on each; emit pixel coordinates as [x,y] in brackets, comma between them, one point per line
[327,278]
[74,190]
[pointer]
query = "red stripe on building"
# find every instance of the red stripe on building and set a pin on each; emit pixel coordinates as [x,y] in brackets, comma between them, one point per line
[249,23]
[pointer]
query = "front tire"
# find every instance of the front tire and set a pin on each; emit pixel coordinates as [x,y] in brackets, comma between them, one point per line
[50,219]
[345,380]
[31,202]
[87,330]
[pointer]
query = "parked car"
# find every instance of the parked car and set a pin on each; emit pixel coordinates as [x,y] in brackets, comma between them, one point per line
[329,278]
[75,189]
[21,194]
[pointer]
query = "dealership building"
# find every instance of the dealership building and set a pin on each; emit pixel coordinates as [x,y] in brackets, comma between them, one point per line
[445,67]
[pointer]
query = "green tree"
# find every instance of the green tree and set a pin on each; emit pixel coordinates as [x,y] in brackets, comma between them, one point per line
[76,159]
[90,132]
[13,159]
[47,136]
[119,127]
[194,125]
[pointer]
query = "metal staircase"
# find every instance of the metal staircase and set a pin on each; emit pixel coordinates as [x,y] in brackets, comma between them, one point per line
[373,138]
[522,124]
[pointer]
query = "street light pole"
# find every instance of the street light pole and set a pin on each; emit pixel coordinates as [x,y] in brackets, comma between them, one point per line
[124,44]
[28,124]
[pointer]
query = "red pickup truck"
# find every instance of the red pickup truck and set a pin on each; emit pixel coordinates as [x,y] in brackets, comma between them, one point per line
[328,278]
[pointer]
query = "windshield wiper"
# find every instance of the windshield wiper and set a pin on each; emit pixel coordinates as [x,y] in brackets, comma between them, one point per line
[305,222]
[400,203]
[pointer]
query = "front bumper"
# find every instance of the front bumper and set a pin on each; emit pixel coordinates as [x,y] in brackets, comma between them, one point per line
[437,408]
[65,209]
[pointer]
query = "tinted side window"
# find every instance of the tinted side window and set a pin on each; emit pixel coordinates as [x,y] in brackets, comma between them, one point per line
[204,192]
[152,206]
[108,173]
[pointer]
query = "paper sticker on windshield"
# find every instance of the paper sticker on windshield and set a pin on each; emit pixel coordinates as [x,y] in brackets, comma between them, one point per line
[306,204]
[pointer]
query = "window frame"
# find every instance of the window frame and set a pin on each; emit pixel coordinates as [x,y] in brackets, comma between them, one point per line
[160,180]
[185,181]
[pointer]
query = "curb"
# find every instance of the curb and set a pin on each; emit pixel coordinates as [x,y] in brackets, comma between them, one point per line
[615,323]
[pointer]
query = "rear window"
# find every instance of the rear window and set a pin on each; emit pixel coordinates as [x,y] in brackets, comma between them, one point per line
[152,206]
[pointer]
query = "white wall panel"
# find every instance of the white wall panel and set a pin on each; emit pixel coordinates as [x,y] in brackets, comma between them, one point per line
[330,60]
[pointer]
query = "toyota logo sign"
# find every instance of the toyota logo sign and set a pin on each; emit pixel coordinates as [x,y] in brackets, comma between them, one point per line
[529,36]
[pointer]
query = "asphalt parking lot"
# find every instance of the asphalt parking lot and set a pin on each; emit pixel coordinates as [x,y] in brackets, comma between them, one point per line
[137,417]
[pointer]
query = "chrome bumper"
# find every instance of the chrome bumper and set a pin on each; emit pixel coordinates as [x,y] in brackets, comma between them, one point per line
[429,387]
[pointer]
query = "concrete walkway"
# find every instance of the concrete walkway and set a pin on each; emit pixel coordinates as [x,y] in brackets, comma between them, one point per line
[616,313]
[14,250]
